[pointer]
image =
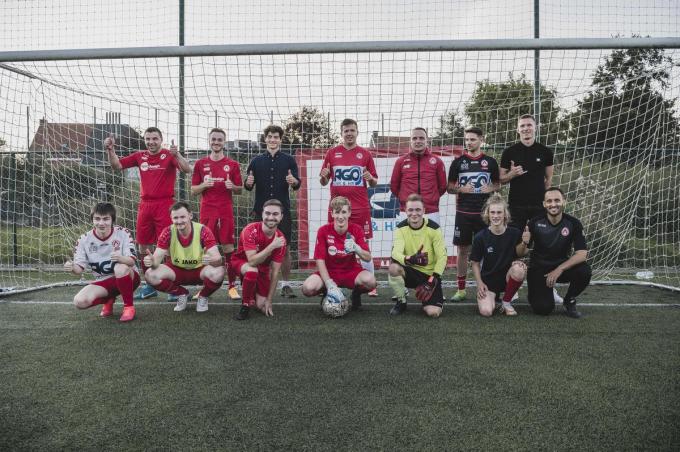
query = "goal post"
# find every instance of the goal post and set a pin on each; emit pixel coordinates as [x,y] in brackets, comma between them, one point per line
[616,143]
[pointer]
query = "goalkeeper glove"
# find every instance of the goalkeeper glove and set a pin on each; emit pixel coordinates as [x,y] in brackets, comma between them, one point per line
[350,245]
[419,258]
[425,290]
[333,291]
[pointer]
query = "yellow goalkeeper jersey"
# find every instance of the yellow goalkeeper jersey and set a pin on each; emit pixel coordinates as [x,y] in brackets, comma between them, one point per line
[407,241]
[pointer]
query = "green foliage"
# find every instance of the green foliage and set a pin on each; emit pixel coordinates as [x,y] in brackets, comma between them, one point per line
[450,130]
[626,110]
[495,107]
[309,128]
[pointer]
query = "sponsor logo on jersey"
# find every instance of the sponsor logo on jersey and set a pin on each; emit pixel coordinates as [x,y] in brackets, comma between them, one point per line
[186,261]
[337,156]
[206,178]
[565,231]
[144,166]
[538,159]
[476,179]
[407,166]
[93,247]
[348,176]
[464,166]
[332,250]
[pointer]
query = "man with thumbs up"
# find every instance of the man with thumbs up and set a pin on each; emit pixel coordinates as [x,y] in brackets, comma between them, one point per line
[273,174]
[418,260]
[216,178]
[528,167]
[338,245]
[157,174]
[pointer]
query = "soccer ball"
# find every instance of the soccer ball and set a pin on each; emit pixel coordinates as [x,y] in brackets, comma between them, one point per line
[334,308]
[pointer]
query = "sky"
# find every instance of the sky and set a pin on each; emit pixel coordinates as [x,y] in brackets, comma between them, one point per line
[390,92]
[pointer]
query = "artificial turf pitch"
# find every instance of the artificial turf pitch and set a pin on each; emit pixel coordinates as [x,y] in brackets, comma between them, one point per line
[299,381]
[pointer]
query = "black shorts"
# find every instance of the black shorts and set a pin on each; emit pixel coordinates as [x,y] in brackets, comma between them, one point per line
[414,278]
[286,225]
[495,283]
[519,215]
[467,225]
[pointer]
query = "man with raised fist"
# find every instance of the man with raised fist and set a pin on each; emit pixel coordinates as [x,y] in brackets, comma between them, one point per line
[418,260]
[216,178]
[157,174]
[273,174]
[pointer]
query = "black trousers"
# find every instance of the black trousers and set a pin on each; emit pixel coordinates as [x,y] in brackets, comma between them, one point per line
[541,296]
[519,215]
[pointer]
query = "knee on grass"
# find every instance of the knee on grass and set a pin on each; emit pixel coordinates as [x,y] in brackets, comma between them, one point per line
[485,311]
[81,302]
[432,311]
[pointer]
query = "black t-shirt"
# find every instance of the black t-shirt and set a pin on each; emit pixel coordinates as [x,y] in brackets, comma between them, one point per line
[478,171]
[552,244]
[495,252]
[527,190]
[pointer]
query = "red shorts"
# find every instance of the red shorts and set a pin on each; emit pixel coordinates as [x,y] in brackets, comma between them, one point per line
[221,227]
[185,276]
[345,278]
[109,284]
[362,218]
[263,281]
[152,218]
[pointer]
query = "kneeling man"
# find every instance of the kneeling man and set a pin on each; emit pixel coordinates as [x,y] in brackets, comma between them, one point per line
[110,252]
[554,234]
[338,244]
[418,260]
[261,250]
[194,259]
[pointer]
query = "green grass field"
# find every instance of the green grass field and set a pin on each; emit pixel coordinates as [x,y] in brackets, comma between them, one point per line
[299,381]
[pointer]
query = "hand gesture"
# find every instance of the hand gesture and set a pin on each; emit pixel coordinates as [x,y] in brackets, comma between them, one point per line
[110,142]
[250,180]
[174,150]
[526,235]
[419,258]
[278,242]
[466,188]
[482,290]
[486,188]
[326,172]
[228,183]
[368,177]
[115,256]
[208,182]
[516,170]
[148,259]
[350,245]
[68,266]
[291,179]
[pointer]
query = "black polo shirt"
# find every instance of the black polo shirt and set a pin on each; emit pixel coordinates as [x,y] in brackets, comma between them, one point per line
[527,189]
[553,243]
[270,178]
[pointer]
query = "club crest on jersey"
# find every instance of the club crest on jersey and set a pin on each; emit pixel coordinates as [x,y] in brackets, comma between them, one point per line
[348,176]
[464,166]
[144,166]
[538,159]
[433,161]
[565,231]
[226,168]
[163,156]
[489,249]
[484,163]
[116,244]
[359,155]
[332,250]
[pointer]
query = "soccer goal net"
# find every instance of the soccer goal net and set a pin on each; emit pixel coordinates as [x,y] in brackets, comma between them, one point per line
[610,116]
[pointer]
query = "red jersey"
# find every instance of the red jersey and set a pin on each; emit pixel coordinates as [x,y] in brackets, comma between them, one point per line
[252,238]
[216,200]
[346,178]
[330,246]
[423,174]
[207,238]
[157,173]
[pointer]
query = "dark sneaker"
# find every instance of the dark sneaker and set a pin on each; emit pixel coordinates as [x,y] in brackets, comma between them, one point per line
[570,310]
[356,300]
[398,308]
[242,314]
[287,292]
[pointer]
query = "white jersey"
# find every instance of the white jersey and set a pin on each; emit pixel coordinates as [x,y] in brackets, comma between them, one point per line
[95,253]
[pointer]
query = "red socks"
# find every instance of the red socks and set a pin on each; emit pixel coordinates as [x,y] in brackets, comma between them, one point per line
[511,288]
[209,288]
[461,282]
[126,288]
[249,288]
[170,287]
